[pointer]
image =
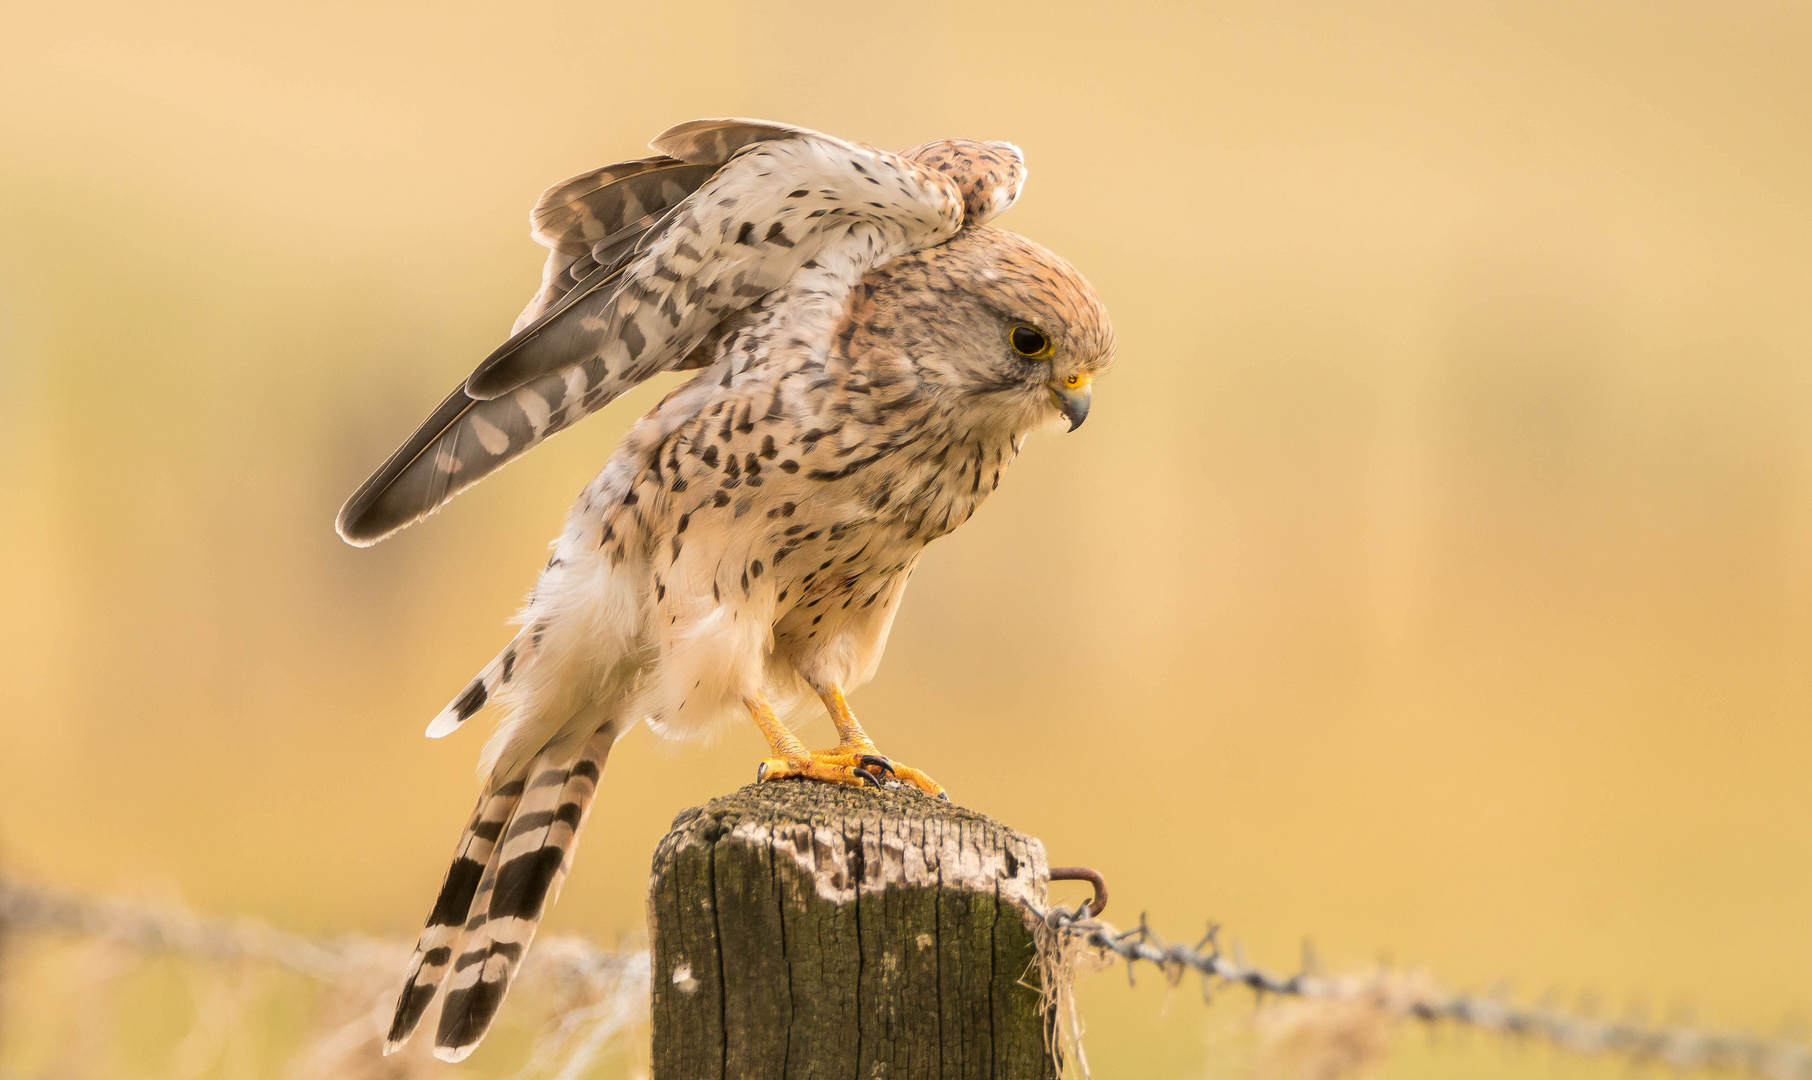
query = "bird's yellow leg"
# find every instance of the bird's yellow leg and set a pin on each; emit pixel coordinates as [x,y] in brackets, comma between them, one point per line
[852,739]
[850,736]
[791,758]
[854,760]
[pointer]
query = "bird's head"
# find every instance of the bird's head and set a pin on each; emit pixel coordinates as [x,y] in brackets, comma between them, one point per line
[997,326]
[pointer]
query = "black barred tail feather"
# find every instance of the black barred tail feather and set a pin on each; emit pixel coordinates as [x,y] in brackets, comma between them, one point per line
[434,951]
[511,864]
[525,875]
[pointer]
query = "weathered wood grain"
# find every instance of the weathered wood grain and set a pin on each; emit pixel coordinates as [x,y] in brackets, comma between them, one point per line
[802,930]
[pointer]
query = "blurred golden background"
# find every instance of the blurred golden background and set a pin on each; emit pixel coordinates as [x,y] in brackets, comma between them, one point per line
[1432,578]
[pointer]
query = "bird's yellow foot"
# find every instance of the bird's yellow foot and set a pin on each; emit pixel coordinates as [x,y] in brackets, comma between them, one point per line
[830,766]
[906,774]
[843,766]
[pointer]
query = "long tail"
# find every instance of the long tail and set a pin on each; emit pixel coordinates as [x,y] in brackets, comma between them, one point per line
[434,950]
[509,866]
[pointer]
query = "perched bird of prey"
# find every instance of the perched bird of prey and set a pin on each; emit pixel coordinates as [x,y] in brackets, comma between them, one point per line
[870,356]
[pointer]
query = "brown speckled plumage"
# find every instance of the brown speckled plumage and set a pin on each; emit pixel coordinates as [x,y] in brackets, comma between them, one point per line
[866,371]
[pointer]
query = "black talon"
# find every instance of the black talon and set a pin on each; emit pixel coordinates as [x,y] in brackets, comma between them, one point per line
[876,761]
[761,772]
[868,777]
[944,795]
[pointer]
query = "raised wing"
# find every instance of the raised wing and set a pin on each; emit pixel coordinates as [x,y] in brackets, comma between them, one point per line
[645,259]
[594,219]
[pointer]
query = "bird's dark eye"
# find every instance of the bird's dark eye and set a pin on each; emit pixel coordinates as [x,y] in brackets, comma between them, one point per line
[1029,343]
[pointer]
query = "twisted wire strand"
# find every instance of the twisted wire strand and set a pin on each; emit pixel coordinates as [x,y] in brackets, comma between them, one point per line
[1679,1046]
[153,928]
[29,907]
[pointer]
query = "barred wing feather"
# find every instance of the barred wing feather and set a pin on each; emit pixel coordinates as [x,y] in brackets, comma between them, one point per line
[597,217]
[635,281]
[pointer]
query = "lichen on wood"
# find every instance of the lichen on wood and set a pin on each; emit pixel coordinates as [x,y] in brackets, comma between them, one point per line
[805,930]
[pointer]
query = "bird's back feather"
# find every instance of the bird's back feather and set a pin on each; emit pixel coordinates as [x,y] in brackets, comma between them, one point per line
[594,219]
[662,275]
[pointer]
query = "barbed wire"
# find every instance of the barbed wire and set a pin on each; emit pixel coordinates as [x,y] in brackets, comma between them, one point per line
[578,997]
[150,928]
[1399,996]
[155,928]
[615,980]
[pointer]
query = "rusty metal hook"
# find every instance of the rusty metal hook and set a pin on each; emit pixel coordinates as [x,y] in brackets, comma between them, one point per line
[1082,873]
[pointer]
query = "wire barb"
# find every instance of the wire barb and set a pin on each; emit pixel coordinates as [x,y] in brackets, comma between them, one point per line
[1680,1046]
[621,979]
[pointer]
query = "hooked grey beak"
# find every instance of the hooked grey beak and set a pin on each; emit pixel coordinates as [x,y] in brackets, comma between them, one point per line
[1072,397]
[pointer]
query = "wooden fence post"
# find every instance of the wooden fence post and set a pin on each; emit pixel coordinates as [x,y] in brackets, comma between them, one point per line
[807,930]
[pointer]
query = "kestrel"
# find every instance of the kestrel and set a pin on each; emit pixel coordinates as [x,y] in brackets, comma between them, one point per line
[870,356]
